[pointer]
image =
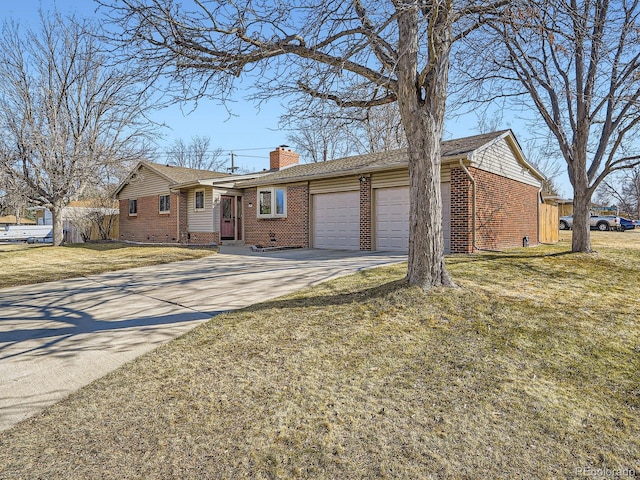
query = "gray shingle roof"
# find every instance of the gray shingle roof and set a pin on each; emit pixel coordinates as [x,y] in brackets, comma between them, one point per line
[182,174]
[462,146]
[370,161]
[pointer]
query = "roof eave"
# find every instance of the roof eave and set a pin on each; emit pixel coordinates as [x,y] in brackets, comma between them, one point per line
[226,182]
[511,138]
[344,173]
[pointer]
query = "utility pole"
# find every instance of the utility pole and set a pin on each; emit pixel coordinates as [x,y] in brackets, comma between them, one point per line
[233,167]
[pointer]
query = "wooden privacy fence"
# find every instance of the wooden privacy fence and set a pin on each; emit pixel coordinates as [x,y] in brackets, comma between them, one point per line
[548,223]
[111,224]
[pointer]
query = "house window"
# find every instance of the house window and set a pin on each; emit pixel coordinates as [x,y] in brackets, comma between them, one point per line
[272,202]
[165,203]
[199,199]
[133,207]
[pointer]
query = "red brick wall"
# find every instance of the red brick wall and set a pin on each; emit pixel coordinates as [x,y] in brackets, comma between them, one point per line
[506,211]
[282,157]
[203,238]
[365,214]
[184,217]
[292,231]
[461,206]
[149,225]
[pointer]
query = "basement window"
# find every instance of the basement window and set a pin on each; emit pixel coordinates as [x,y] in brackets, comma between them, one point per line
[165,203]
[133,207]
[272,202]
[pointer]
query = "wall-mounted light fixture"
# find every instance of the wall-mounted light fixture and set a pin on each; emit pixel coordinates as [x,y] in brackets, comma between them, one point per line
[250,205]
[362,178]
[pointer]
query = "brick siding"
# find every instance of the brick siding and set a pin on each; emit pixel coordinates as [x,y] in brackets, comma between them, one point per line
[184,217]
[203,238]
[506,211]
[292,231]
[149,225]
[461,207]
[365,214]
[282,157]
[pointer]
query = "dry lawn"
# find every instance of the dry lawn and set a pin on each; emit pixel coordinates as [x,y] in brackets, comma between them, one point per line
[25,264]
[531,369]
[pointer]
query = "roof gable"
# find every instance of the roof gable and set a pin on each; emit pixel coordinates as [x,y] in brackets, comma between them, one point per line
[173,175]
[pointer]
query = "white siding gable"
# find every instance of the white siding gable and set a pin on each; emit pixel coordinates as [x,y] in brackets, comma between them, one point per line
[499,158]
[144,183]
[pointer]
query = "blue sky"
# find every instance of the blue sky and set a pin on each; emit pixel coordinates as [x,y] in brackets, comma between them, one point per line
[249,128]
[250,132]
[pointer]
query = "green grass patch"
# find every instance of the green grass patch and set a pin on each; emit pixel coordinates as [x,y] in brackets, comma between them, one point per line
[27,264]
[530,369]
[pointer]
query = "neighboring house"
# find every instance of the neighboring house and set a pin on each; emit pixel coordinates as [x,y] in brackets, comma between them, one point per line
[80,220]
[490,197]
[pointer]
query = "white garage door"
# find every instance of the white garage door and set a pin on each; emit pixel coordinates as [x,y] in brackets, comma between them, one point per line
[336,220]
[392,218]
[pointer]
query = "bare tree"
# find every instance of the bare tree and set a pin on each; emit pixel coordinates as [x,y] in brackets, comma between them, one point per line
[625,190]
[94,217]
[12,197]
[395,51]
[383,128]
[577,64]
[82,219]
[544,157]
[329,132]
[319,131]
[195,154]
[66,116]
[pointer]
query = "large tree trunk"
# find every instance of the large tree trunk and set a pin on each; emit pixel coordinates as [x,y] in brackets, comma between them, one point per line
[422,100]
[426,241]
[56,218]
[581,235]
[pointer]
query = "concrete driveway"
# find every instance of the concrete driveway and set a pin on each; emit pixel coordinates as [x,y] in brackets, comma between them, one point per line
[59,336]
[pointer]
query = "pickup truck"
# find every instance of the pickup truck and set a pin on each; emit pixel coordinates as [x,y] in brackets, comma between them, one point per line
[599,222]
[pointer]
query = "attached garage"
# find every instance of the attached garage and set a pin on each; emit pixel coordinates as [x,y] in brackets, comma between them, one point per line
[336,220]
[392,218]
[362,202]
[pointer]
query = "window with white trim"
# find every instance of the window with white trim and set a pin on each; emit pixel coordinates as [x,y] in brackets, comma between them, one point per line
[272,202]
[164,203]
[199,199]
[133,207]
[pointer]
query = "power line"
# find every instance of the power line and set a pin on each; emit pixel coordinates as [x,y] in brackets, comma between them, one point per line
[246,156]
[220,151]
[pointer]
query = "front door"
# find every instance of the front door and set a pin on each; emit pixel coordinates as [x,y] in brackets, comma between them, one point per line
[227,218]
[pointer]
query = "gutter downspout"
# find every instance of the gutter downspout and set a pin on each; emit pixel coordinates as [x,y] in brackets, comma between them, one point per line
[473,205]
[540,202]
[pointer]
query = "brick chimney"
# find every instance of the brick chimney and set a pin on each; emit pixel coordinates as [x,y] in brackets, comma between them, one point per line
[282,157]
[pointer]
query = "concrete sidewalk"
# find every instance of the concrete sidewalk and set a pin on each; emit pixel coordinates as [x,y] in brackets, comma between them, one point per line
[59,336]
